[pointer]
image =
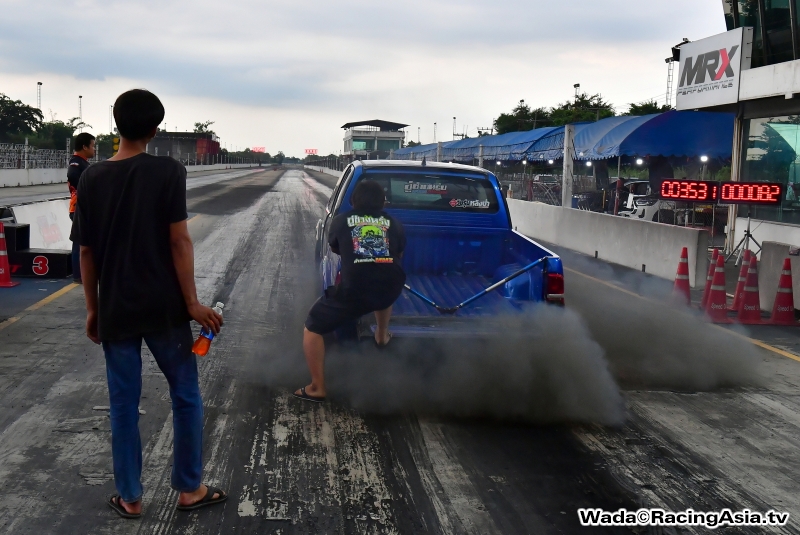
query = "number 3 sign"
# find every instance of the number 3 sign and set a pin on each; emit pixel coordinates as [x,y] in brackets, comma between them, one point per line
[40,266]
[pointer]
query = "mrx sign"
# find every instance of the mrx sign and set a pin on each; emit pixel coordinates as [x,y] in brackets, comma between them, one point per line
[710,68]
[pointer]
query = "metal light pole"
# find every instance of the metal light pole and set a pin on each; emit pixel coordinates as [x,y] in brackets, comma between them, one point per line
[39,95]
[110,119]
[569,156]
[80,109]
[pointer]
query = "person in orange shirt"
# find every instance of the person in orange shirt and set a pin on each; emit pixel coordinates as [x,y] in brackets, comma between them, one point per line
[84,149]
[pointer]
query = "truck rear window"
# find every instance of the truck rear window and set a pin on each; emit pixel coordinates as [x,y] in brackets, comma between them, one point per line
[445,192]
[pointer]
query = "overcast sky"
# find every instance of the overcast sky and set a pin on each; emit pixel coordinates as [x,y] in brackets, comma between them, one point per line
[286,74]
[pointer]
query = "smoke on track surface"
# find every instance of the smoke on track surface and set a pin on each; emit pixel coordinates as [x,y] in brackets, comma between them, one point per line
[547,365]
[652,344]
[541,367]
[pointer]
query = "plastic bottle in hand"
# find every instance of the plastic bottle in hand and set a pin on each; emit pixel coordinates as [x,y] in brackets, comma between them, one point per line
[203,342]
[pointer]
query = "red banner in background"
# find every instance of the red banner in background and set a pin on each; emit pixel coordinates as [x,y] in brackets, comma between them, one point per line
[311,151]
[259,149]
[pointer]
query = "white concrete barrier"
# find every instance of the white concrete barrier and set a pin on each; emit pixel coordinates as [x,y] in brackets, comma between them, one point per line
[36,177]
[620,240]
[325,170]
[765,231]
[31,177]
[769,272]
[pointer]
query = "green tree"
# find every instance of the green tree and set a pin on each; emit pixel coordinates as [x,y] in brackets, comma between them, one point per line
[203,128]
[104,143]
[278,158]
[54,133]
[584,108]
[413,144]
[17,119]
[522,118]
[647,107]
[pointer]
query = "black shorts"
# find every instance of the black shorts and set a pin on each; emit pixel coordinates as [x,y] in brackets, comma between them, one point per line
[332,311]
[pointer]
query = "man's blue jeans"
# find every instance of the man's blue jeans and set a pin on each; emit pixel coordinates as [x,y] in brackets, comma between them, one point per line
[172,350]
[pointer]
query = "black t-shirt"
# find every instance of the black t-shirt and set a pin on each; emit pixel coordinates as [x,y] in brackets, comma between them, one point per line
[124,213]
[371,245]
[77,165]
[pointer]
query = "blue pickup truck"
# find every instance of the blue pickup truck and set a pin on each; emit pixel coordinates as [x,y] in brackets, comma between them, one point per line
[463,259]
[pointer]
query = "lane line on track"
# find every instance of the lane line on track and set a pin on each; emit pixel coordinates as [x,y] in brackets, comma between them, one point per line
[754,341]
[36,306]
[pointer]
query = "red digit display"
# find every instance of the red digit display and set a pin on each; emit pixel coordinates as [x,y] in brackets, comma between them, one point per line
[750,193]
[688,190]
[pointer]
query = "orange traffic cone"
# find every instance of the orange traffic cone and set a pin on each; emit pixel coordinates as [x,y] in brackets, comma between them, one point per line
[783,310]
[680,291]
[750,307]
[5,269]
[737,297]
[712,266]
[716,307]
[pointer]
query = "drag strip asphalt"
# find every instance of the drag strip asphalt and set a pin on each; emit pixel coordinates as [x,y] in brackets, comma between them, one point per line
[351,465]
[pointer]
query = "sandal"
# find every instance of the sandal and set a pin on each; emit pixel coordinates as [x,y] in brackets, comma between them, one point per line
[307,397]
[113,502]
[207,500]
[382,346]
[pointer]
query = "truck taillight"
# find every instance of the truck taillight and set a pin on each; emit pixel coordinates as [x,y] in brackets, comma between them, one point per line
[554,288]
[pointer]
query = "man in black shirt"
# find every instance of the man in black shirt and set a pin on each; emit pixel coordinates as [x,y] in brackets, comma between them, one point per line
[134,241]
[84,149]
[371,244]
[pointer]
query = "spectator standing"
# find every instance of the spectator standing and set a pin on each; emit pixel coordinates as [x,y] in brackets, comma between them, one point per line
[83,150]
[135,245]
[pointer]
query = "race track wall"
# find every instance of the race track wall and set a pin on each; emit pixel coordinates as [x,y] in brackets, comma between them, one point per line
[37,177]
[624,241]
[769,271]
[325,170]
[764,231]
[31,177]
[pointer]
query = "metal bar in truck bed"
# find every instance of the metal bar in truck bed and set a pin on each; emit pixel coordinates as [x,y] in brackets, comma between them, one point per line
[453,310]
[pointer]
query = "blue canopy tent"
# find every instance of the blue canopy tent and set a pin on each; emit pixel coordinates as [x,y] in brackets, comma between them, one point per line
[598,141]
[682,133]
[511,146]
[674,133]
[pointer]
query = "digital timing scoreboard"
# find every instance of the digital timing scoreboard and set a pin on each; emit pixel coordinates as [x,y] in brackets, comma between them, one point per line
[705,191]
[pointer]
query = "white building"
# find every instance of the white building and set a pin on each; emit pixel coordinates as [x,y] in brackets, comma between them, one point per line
[372,140]
[754,71]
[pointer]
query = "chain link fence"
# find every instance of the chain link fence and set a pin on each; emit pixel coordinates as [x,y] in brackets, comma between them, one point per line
[28,157]
[546,188]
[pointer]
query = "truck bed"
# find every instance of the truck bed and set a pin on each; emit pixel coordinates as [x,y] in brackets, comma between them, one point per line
[449,291]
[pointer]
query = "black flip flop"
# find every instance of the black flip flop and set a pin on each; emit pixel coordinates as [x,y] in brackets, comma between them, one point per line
[381,346]
[306,397]
[113,502]
[207,500]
